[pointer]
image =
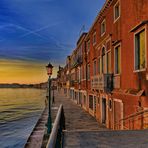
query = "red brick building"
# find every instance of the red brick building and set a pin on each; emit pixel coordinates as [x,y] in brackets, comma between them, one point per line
[111,79]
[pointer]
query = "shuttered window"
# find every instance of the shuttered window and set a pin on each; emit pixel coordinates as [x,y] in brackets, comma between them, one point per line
[117,60]
[140,59]
[95,71]
[116,11]
[109,62]
[91,102]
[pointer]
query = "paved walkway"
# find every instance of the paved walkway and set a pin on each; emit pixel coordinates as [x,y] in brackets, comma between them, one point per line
[83,131]
[76,118]
[106,139]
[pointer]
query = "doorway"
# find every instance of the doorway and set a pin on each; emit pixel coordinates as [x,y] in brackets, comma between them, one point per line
[104,110]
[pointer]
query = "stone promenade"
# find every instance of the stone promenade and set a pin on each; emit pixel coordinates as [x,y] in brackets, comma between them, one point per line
[83,131]
[76,118]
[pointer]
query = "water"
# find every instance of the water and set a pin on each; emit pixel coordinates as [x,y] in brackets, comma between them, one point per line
[19,112]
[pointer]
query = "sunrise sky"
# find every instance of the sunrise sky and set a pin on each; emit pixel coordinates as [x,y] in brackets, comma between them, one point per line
[34,32]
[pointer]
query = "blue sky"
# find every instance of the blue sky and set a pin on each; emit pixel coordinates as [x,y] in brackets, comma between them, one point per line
[43,30]
[34,32]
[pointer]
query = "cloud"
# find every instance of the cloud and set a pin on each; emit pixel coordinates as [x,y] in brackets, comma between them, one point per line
[40,29]
[29,31]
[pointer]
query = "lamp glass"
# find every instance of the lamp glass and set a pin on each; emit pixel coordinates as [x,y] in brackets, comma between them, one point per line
[49,71]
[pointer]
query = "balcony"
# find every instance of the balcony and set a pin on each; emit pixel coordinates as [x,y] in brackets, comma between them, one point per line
[102,82]
[73,82]
[78,61]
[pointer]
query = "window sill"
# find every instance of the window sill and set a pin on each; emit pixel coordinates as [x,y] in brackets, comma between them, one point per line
[119,74]
[139,70]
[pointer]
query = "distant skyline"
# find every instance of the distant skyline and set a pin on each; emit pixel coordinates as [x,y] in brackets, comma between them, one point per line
[34,32]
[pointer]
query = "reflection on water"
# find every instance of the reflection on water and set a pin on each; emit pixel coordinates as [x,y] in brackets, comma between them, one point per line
[19,111]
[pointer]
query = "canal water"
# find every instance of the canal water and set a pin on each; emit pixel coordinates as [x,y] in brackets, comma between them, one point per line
[19,112]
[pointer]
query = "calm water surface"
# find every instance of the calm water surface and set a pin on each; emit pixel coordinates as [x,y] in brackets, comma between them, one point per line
[19,112]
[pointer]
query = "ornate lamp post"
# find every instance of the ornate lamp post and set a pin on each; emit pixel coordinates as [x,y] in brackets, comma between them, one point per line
[49,68]
[53,93]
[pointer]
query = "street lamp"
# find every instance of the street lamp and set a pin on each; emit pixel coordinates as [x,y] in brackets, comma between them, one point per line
[49,68]
[53,93]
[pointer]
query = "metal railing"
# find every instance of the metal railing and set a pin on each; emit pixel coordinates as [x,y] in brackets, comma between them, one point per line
[56,136]
[137,120]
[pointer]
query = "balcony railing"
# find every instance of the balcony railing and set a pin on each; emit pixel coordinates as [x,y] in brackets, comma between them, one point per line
[72,83]
[78,61]
[102,82]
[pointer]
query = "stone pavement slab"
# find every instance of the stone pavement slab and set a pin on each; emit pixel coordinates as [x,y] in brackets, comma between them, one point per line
[83,131]
[75,117]
[106,139]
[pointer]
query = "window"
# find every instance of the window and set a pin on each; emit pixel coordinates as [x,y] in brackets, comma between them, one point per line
[95,72]
[117,60]
[103,27]
[77,75]
[109,62]
[84,99]
[91,102]
[94,38]
[85,72]
[116,11]
[95,104]
[140,45]
[99,65]
[103,60]
[88,46]
[88,71]
[110,104]
[81,72]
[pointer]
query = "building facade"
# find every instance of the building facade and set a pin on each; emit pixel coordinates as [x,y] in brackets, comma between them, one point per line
[109,67]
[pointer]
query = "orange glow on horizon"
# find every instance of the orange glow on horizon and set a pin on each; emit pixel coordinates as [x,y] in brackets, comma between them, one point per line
[17,71]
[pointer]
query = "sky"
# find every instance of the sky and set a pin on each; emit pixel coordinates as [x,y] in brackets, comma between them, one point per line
[34,32]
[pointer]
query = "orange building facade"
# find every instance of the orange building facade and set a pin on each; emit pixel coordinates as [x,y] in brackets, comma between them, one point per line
[108,70]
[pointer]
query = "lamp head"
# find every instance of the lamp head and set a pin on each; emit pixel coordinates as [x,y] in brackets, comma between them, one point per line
[49,68]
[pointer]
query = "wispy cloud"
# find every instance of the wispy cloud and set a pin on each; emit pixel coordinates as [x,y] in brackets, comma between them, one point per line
[29,31]
[40,29]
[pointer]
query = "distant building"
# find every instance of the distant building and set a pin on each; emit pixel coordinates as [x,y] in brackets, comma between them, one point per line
[108,70]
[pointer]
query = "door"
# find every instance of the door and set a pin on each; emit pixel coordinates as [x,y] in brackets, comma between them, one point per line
[118,114]
[103,110]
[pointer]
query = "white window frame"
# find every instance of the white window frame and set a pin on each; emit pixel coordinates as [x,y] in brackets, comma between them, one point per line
[144,69]
[116,74]
[117,3]
[102,33]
